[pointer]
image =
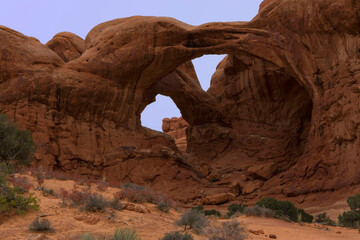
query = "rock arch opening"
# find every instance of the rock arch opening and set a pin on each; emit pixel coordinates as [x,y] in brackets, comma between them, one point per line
[205,67]
[154,113]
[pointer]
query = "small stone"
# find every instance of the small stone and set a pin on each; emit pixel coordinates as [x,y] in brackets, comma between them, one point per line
[338,232]
[272,236]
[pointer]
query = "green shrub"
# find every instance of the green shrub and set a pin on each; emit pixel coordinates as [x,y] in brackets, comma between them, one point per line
[228,231]
[198,208]
[12,199]
[40,226]
[163,206]
[285,209]
[125,234]
[354,202]
[324,219]
[177,236]
[15,144]
[193,219]
[350,218]
[258,211]
[212,212]
[234,208]
[16,147]
[304,216]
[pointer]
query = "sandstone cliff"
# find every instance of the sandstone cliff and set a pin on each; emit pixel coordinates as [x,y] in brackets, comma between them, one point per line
[282,112]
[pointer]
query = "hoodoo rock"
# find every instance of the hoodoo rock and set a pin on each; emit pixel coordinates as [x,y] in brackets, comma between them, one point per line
[281,116]
[176,128]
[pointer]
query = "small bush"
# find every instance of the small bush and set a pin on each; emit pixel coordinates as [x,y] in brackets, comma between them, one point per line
[285,209]
[125,234]
[87,236]
[354,202]
[102,185]
[21,182]
[116,204]
[15,144]
[11,198]
[119,234]
[234,208]
[163,206]
[350,218]
[136,196]
[198,208]
[212,212]
[132,186]
[258,211]
[177,236]
[228,231]
[40,226]
[193,219]
[95,203]
[46,191]
[324,219]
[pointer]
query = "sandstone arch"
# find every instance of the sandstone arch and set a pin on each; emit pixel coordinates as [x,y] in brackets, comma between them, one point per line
[95,98]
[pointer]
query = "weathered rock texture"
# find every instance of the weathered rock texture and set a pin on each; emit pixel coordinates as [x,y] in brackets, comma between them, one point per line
[282,112]
[176,128]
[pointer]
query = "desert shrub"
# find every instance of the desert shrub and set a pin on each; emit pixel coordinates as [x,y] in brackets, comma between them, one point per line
[132,186]
[228,231]
[177,236]
[119,234]
[77,197]
[11,199]
[46,191]
[95,203]
[234,208]
[304,216]
[354,202]
[350,218]
[324,219]
[193,219]
[285,209]
[87,236]
[16,148]
[212,212]
[163,206]
[135,193]
[15,144]
[198,208]
[258,211]
[125,234]
[102,185]
[21,182]
[116,204]
[40,226]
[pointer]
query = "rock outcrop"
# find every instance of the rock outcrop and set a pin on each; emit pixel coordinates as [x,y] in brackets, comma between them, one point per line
[281,114]
[176,128]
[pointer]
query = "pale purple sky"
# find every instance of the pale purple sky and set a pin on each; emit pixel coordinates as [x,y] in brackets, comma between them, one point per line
[44,18]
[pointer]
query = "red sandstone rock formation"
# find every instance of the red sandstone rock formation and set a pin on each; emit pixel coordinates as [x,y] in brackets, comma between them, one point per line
[282,112]
[176,128]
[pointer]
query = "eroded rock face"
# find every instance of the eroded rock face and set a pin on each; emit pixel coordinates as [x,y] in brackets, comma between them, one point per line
[176,128]
[281,114]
